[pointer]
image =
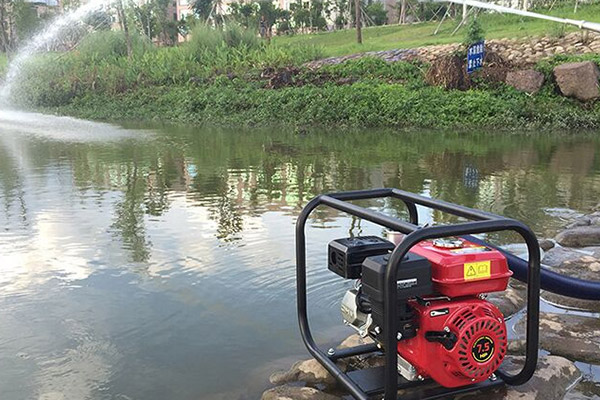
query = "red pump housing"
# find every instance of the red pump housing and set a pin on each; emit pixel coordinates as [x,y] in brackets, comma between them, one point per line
[461,339]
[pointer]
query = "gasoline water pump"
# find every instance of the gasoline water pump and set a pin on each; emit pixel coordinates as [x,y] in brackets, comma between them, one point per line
[422,300]
[441,312]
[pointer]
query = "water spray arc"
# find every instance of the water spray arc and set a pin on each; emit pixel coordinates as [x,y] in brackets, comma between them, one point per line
[41,40]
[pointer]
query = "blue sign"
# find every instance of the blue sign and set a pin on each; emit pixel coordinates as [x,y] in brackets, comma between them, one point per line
[475,55]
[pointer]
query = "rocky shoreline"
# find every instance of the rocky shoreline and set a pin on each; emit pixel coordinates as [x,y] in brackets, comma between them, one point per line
[569,333]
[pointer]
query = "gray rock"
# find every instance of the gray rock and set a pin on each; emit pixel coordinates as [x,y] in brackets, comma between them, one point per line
[584,390]
[579,236]
[556,256]
[512,299]
[525,80]
[311,372]
[553,377]
[362,361]
[581,221]
[287,392]
[570,302]
[564,214]
[586,220]
[354,340]
[578,80]
[546,244]
[571,336]
[581,263]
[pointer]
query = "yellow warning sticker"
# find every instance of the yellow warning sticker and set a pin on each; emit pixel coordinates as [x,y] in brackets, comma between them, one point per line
[477,270]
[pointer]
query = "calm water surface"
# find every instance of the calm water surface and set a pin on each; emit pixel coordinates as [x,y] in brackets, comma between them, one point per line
[157,263]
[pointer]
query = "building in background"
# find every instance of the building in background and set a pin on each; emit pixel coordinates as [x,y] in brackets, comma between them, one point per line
[44,8]
[183,9]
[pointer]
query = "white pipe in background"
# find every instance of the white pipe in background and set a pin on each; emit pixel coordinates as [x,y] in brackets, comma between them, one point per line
[592,26]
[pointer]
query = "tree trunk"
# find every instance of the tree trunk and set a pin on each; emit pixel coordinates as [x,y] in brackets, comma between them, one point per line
[403,12]
[357,12]
[125,27]
[5,30]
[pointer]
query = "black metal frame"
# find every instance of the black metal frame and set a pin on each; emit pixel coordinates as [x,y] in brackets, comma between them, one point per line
[480,222]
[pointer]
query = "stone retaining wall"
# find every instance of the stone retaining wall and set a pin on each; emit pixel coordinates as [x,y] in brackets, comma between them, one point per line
[520,52]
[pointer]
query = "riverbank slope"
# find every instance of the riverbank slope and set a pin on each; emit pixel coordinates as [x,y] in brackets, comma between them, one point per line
[238,81]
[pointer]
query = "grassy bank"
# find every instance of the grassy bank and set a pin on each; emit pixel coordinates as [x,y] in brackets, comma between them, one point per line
[231,78]
[408,36]
[392,95]
[362,104]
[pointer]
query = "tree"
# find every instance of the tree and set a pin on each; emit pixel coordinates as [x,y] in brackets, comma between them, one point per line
[342,10]
[99,20]
[376,13]
[357,21]
[245,14]
[124,26]
[317,10]
[284,25]
[203,9]
[143,18]
[300,15]
[271,13]
[474,33]
[26,20]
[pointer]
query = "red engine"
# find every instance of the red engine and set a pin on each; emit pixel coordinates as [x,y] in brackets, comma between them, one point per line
[460,339]
[458,342]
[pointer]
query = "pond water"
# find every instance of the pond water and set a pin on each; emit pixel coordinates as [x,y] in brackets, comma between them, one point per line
[157,262]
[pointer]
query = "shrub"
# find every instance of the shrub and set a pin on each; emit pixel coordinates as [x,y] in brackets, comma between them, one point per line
[205,38]
[104,45]
[475,33]
[235,35]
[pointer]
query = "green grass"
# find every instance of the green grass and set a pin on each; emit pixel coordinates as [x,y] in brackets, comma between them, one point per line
[363,104]
[496,26]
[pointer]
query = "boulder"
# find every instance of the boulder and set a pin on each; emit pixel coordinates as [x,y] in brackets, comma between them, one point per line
[585,267]
[311,372]
[287,392]
[362,361]
[563,214]
[354,340]
[512,300]
[570,302]
[571,336]
[557,256]
[581,263]
[525,80]
[578,80]
[552,379]
[586,220]
[584,390]
[580,236]
[546,244]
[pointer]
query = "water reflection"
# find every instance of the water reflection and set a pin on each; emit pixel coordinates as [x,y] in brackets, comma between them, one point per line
[154,265]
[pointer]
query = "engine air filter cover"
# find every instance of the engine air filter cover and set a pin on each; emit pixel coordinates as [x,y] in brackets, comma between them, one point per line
[462,268]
